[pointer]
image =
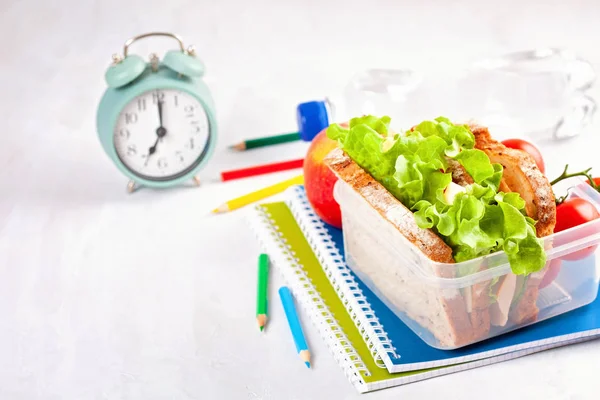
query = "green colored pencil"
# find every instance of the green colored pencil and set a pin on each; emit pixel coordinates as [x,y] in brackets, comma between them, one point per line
[261,299]
[267,141]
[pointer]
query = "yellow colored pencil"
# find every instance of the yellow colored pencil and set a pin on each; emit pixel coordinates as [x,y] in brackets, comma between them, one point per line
[259,194]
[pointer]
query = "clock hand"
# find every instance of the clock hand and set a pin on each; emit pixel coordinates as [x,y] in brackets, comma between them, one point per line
[160,132]
[151,150]
[160,118]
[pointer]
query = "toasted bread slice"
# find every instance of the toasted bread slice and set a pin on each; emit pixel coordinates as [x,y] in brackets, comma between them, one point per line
[521,175]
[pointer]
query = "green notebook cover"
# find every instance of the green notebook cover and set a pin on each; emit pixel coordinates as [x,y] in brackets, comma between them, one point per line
[282,238]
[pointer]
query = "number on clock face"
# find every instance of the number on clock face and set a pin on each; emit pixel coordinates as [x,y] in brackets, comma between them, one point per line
[157,153]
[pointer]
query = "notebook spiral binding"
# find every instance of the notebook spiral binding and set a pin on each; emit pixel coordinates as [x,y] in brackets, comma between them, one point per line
[308,297]
[327,253]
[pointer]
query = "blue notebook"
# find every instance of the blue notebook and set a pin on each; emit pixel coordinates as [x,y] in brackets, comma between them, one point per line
[394,343]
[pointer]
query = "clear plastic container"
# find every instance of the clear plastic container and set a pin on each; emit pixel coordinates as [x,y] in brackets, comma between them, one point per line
[451,305]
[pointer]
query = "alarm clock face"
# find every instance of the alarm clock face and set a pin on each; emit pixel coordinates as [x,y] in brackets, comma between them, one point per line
[162,134]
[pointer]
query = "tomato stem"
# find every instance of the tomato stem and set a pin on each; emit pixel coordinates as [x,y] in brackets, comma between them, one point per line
[566,175]
[561,199]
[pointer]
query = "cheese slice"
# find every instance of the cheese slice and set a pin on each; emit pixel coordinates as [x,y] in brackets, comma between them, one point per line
[468,296]
[506,290]
[387,144]
[451,191]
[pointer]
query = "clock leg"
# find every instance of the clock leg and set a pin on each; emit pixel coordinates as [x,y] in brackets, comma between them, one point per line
[196,180]
[131,187]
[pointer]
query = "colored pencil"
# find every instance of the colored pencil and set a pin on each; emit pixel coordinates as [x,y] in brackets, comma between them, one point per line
[261,169]
[294,323]
[266,141]
[259,194]
[261,299]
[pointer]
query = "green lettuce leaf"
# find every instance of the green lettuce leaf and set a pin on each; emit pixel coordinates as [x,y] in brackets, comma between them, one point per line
[530,255]
[477,164]
[491,292]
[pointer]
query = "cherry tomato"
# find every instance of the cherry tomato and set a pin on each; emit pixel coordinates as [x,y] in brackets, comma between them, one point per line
[596,180]
[533,151]
[552,273]
[572,212]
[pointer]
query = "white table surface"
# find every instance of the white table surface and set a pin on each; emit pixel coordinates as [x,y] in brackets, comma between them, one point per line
[105,295]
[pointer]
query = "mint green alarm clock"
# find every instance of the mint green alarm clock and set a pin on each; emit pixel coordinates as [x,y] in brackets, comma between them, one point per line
[156,120]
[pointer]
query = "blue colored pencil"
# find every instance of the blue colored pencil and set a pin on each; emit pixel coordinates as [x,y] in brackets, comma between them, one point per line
[294,323]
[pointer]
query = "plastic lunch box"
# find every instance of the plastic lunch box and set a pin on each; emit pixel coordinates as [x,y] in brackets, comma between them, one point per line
[444,311]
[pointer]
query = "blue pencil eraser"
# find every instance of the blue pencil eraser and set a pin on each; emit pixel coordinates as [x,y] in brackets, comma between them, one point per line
[313,117]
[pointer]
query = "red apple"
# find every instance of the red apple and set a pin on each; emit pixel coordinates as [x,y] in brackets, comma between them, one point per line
[319,180]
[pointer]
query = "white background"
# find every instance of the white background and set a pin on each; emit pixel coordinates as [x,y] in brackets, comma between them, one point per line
[105,295]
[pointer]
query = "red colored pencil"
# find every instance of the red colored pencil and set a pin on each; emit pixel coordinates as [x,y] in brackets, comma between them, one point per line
[261,169]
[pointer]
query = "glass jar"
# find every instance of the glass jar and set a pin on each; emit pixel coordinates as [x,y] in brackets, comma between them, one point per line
[536,93]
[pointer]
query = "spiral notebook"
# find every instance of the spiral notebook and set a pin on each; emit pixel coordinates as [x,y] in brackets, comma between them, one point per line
[345,321]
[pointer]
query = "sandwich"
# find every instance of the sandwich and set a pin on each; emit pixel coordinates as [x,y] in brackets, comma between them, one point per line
[455,195]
